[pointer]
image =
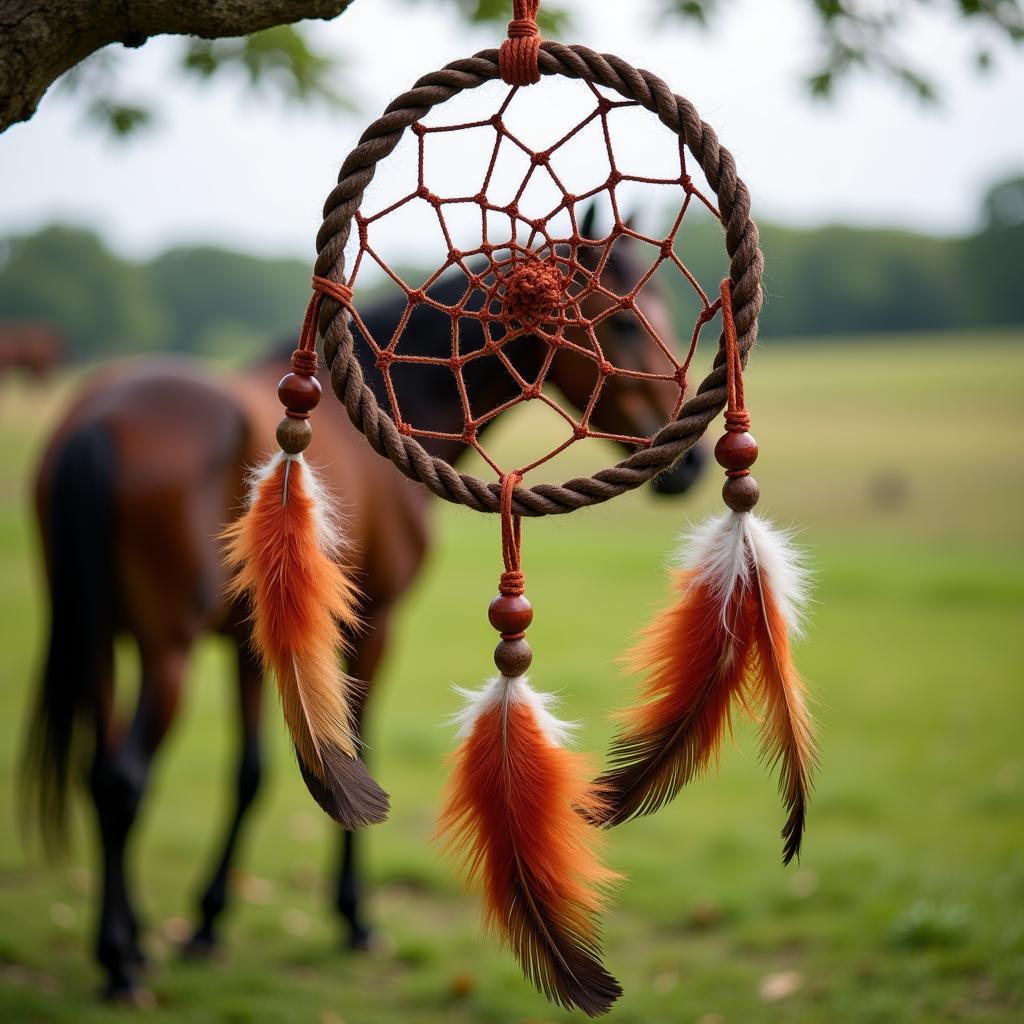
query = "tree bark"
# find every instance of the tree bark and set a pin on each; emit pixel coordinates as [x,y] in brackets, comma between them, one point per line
[41,39]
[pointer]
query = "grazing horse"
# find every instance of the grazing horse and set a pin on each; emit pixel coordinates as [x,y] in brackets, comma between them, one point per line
[134,489]
[34,348]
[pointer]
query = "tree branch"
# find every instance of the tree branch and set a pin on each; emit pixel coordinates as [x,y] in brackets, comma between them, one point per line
[41,39]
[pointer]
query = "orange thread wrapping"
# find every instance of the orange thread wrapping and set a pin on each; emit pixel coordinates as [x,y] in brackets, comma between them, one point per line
[519,56]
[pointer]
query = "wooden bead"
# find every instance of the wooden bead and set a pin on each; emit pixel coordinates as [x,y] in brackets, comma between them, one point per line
[299,393]
[740,493]
[513,657]
[736,450]
[510,613]
[294,435]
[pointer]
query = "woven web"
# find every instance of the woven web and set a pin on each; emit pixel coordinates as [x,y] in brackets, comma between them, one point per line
[513,238]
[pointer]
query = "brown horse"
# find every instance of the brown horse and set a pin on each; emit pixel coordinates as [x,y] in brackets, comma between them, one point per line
[134,489]
[33,348]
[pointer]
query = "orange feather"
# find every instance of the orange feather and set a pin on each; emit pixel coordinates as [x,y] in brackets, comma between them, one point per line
[787,733]
[694,666]
[724,639]
[509,812]
[283,552]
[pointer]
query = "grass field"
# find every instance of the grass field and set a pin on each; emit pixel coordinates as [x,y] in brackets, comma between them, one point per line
[904,465]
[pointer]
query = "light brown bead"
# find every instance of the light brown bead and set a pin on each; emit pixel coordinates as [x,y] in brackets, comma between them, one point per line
[294,435]
[736,450]
[299,393]
[510,613]
[513,657]
[741,493]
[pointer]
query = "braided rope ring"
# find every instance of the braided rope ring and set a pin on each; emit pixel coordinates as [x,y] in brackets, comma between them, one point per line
[741,240]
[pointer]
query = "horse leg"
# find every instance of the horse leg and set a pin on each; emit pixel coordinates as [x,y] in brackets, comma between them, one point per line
[367,651]
[117,782]
[250,771]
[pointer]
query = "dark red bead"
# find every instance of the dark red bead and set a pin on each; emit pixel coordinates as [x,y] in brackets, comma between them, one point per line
[510,614]
[299,393]
[736,450]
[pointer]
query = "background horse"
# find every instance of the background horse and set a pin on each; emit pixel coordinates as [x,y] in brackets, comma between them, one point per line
[35,349]
[134,489]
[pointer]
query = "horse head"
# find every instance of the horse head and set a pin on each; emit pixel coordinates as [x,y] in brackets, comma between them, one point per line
[636,404]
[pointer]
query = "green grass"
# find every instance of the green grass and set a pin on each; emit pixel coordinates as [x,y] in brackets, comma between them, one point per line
[903,465]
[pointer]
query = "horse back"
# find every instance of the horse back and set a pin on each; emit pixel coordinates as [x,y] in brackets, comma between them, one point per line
[183,440]
[385,514]
[179,439]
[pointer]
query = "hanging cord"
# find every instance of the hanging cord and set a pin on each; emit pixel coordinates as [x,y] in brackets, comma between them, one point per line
[737,419]
[299,391]
[510,613]
[513,581]
[519,54]
[736,450]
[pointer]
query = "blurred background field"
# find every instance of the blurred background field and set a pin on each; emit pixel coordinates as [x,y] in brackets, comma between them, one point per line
[902,466]
[888,397]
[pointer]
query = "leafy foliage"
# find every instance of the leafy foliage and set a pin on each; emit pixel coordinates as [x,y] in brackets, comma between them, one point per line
[278,61]
[552,19]
[69,278]
[855,36]
[864,35]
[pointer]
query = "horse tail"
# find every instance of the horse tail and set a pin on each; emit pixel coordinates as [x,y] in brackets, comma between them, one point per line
[78,517]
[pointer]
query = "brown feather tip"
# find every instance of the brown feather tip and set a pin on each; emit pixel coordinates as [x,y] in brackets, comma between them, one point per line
[674,734]
[645,773]
[793,831]
[579,980]
[347,791]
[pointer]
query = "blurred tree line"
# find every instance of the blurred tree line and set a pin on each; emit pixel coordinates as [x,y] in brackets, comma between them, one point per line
[848,280]
[822,281]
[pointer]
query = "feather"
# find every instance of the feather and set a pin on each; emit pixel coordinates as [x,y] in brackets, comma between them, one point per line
[787,733]
[693,661]
[724,640]
[283,552]
[509,814]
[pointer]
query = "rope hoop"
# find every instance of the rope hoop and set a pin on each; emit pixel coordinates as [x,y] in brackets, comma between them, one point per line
[342,205]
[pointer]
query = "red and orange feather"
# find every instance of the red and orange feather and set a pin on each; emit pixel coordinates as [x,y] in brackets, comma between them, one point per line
[284,552]
[724,640]
[787,732]
[694,667]
[509,814]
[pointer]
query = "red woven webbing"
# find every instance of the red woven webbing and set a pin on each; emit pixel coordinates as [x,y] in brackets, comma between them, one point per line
[534,269]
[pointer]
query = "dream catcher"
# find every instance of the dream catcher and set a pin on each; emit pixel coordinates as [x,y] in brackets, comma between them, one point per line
[522,810]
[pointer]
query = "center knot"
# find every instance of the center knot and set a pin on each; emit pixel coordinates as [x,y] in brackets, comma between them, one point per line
[532,291]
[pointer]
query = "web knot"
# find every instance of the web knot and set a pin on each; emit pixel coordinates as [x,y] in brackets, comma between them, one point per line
[532,291]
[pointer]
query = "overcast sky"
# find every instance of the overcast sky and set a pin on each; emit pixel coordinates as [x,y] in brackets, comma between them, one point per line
[239,171]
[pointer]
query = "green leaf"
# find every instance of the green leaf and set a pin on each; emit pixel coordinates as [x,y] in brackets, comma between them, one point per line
[279,59]
[121,119]
[821,84]
[692,10]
